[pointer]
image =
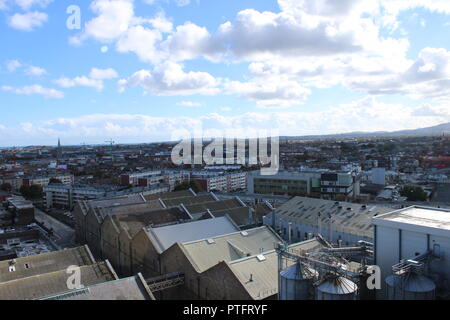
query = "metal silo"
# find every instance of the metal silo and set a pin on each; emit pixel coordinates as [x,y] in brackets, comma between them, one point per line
[336,288]
[409,286]
[296,282]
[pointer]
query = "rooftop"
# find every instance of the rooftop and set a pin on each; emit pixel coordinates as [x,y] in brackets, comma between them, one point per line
[165,237]
[264,272]
[206,253]
[352,218]
[132,288]
[421,216]
[45,262]
[41,285]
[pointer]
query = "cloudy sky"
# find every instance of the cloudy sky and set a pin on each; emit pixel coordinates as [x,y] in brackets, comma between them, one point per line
[146,70]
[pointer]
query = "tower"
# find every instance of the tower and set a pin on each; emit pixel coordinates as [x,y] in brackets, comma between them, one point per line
[59,150]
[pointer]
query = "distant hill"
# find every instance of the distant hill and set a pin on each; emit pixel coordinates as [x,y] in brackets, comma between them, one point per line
[428,131]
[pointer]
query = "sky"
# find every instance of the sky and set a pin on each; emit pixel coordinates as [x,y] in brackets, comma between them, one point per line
[156,70]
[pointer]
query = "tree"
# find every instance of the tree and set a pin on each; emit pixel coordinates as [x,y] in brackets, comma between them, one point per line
[186,185]
[55,181]
[25,191]
[36,191]
[31,192]
[413,193]
[6,187]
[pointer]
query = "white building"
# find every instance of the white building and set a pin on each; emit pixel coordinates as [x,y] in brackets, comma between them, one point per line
[410,232]
[379,176]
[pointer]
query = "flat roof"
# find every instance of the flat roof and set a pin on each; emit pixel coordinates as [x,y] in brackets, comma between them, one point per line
[421,216]
[165,237]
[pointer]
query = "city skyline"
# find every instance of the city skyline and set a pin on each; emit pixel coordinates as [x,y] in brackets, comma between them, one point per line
[139,70]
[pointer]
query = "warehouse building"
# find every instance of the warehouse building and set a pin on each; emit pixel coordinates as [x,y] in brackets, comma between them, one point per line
[128,231]
[45,277]
[409,233]
[150,242]
[301,218]
[238,266]
[131,288]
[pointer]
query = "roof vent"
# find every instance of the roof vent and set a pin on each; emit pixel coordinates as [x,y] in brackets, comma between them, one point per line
[261,257]
[210,241]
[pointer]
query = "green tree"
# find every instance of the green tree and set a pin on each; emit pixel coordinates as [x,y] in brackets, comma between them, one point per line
[36,191]
[31,192]
[55,181]
[413,193]
[6,187]
[186,185]
[25,191]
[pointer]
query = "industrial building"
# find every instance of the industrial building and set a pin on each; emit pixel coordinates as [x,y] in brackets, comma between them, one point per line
[45,277]
[131,288]
[339,222]
[412,248]
[131,232]
[238,266]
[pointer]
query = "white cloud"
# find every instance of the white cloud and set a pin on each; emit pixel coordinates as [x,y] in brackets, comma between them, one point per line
[103,74]
[79,81]
[27,21]
[34,90]
[94,80]
[271,93]
[368,114]
[180,3]
[35,71]
[12,65]
[169,79]
[189,104]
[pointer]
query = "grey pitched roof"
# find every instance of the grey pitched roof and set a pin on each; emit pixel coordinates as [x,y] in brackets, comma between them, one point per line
[351,218]
[206,253]
[132,288]
[50,283]
[45,262]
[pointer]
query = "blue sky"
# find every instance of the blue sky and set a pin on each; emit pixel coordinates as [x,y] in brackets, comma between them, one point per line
[149,70]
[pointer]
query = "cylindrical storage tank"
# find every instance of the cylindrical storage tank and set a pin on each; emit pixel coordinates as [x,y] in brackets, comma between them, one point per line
[336,288]
[410,286]
[296,282]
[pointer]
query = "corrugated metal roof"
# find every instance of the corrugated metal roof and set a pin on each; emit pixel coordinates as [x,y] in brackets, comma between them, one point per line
[230,247]
[52,283]
[264,274]
[351,218]
[43,263]
[131,288]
